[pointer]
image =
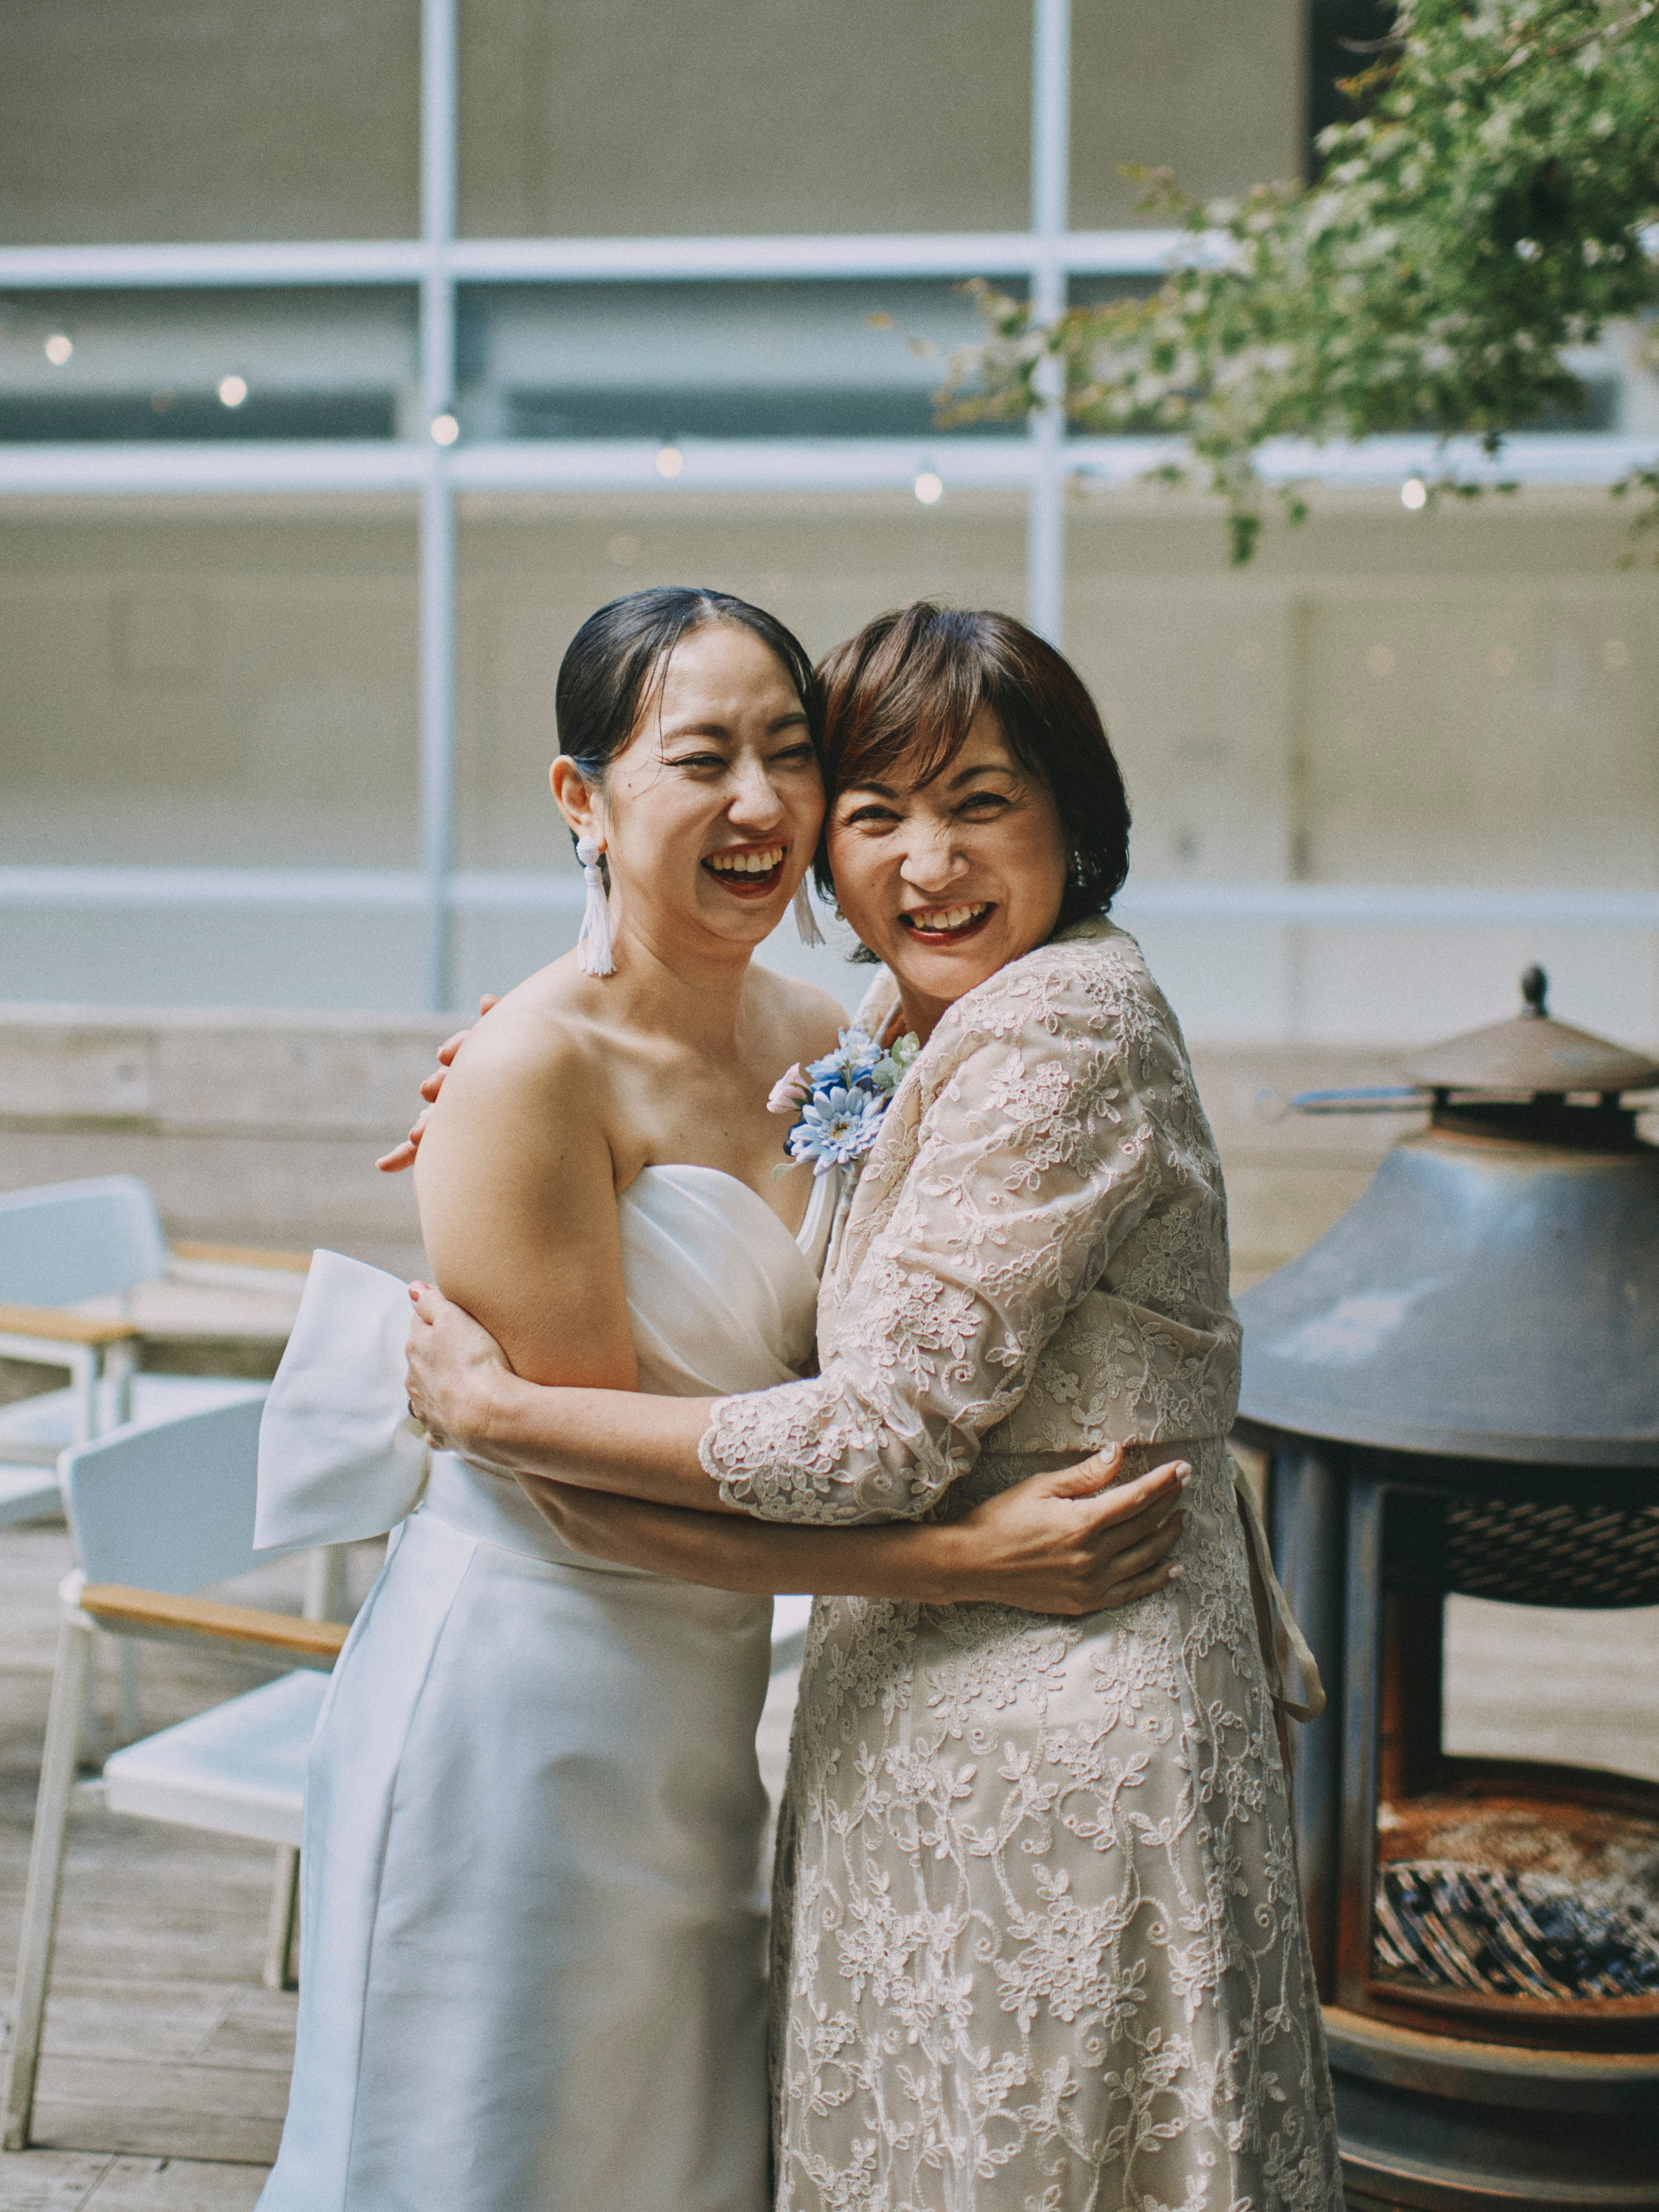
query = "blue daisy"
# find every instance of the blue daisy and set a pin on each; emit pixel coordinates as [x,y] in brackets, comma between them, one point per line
[838,1125]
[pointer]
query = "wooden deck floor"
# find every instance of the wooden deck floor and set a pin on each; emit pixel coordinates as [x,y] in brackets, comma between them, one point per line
[165,2075]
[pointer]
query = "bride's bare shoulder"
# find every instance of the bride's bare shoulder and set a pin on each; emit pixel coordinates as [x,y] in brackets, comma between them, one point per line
[805,1020]
[542,1046]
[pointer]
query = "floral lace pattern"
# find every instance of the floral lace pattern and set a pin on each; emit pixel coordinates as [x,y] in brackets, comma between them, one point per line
[1037,1939]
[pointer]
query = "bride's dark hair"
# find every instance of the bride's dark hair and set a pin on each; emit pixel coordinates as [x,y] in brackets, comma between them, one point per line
[623,649]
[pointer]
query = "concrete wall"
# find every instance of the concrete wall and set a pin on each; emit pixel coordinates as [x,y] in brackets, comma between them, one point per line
[250,1130]
[264,1128]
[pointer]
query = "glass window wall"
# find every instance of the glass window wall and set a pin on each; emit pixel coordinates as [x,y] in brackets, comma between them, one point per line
[480,312]
[277,363]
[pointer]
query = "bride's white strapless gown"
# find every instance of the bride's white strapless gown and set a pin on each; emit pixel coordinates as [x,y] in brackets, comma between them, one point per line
[532,1969]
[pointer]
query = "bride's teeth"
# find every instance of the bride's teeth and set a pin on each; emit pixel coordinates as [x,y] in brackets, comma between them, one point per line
[746,864]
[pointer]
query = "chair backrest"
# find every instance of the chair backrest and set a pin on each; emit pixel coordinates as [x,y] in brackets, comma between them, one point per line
[168,1506]
[65,1241]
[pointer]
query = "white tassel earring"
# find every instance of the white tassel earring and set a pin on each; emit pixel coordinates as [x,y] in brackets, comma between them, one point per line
[806,922]
[593,945]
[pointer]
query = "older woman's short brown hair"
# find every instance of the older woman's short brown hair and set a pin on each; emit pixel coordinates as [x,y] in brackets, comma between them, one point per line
[904,693]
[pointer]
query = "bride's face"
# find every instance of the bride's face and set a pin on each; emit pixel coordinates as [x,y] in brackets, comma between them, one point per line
[948,881]
[710,815]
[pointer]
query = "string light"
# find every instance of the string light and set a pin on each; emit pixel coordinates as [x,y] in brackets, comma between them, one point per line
[232,391]
[445,429]
[930,487]
[59,347]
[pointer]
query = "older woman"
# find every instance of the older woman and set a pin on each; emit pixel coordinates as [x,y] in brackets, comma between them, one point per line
[1037,1937]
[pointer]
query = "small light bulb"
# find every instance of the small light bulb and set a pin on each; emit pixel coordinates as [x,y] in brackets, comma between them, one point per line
[445,429]
[1413,494]
[670,461]
[59,347]
[232,391]
[930,487]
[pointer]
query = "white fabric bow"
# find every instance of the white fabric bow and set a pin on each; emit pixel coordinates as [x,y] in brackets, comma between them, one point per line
[341,1456]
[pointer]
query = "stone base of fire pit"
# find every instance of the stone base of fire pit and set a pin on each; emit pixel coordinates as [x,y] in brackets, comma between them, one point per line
[1437,2124]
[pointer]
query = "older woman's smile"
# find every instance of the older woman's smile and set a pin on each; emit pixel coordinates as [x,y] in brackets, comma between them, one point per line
[947,925]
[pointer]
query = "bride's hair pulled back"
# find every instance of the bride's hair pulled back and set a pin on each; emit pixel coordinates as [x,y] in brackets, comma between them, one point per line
[621,655]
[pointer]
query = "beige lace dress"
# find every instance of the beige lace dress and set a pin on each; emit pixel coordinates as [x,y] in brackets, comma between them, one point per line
[1038,1941]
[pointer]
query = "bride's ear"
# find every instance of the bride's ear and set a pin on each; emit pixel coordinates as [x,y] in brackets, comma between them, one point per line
[576,800]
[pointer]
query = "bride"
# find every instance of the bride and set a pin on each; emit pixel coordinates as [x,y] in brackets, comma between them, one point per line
[532,1964]
[1038,1943]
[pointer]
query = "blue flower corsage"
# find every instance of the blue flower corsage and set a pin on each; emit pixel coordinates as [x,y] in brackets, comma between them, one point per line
[840,1100]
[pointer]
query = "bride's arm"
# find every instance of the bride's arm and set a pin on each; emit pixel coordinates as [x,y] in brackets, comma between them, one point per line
[1075,1541]
[518,1207]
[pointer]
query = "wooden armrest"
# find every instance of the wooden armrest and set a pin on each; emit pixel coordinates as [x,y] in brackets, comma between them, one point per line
[245,1256]
[156,1613]
[54,1325]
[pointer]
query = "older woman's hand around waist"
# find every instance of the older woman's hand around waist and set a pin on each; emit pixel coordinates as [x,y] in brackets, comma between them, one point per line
[1076,1541]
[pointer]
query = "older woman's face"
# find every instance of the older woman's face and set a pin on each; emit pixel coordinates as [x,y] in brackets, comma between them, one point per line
[948,881]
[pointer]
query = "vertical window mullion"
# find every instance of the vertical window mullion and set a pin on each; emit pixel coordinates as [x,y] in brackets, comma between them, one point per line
[1051,102]
[437,610]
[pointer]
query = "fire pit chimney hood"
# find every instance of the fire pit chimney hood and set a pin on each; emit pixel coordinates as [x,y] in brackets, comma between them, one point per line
[1494,1293]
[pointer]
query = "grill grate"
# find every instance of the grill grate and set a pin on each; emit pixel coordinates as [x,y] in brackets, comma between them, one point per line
[1560,1552]
[1508,1935]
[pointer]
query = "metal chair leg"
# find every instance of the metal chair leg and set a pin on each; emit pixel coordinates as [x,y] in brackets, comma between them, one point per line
[86,1370]
[45,1882]
[120,1365]
[284,1913]
[326,1583]
[127,1677]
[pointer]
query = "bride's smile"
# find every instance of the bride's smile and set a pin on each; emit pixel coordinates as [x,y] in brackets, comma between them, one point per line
[749,871]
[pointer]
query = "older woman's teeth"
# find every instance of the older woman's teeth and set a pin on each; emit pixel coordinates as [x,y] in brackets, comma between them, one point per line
[947,918]
[747,864]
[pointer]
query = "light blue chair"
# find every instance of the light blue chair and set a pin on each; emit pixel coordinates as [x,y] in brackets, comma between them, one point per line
[158,1513]
[61,1244]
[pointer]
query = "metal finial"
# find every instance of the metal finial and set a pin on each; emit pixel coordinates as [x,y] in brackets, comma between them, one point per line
[1534,984]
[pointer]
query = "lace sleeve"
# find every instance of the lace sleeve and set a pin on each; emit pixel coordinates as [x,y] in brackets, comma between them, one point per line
[1037,1152]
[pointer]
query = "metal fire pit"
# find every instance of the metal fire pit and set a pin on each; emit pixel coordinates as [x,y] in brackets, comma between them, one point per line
[1458,1390]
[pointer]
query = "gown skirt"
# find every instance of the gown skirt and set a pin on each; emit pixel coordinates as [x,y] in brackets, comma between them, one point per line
[532,1969]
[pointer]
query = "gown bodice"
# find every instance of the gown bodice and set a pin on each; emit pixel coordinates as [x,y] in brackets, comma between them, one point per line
[722,1297]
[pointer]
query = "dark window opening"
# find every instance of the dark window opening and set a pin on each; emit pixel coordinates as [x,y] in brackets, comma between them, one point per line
[1335,27]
